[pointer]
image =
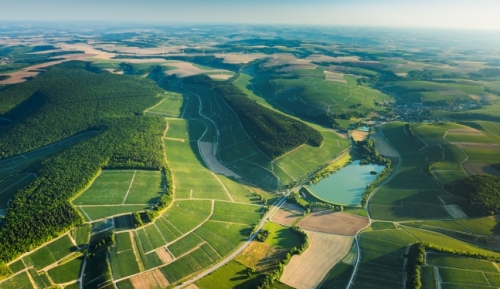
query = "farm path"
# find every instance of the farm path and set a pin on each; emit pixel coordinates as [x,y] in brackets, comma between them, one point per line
[129,187]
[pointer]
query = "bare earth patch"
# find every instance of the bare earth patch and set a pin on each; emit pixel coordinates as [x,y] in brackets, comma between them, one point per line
[150,279]
[382,146]
[240,57]
[480,168]
[207,153]
[191,286]
[220,76]
[165,257]
[334,223]
[455,211]
[284,218]
[185,69]
[359,135]
[309,269]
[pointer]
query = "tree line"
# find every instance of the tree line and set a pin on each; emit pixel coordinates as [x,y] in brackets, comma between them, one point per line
[42,210]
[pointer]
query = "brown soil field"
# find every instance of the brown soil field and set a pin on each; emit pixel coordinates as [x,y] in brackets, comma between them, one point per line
[475,145]
[164,255]
[254,253]
[191,286]
[334,223]
[480,168]
[285,218]
[309,269]
[382,146]
[150,279]
[206,151]
[359,135]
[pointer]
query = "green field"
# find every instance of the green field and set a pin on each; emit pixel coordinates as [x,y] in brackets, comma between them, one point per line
[66,272]
[185,244]
[50,253]
[451,275]
[92,213]
[116,187]
[281,236]
[236,213]
[457,262]
[223,237]
[123,259]
[171,106]
[21,280]
[232,275]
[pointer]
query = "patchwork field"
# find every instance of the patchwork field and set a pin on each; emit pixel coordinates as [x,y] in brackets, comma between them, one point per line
[310,268]
[333,223]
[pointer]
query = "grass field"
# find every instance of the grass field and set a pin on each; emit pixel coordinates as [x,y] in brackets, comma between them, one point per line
[171,106]
[92,213]
[428,277]
[17,266]
[185,244]
[116,187]
[223,237]
[50,253]
[123,259]
[66,272]
[232,275]
[281,236]
[81,234]
[21,280]
[457,262]
[236,213]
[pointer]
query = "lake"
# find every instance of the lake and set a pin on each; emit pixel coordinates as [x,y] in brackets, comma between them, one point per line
[346,186]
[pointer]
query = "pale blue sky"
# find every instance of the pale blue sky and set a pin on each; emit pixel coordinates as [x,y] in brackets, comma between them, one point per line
[470,14]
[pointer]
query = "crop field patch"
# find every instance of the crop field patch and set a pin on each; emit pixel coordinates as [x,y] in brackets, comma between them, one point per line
[20,280]
[468,138]
[92,213]
[254,253]
[185,215]
[223,237]
[122,223]
[109,188]
[231,275]
[164,255]
[451,275]
[50,253]
[236,213]
[284,217]
[149,279]
[66,272]
[333,223]
[458,262]
[237,191]
[185,244]
[171,106]
[123,259]
[310,268]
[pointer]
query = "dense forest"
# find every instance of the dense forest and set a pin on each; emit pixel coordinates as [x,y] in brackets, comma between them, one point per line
[481,194]
[69,98]
[42,210]
[274,133]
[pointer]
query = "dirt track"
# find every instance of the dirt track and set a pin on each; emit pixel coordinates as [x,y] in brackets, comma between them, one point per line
[206,151]
[333,223]
[309,269]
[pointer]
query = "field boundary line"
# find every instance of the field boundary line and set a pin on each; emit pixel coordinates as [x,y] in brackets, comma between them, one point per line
[146,110]
[163,238]
[129,187]
[17,182]
[185,107]
[85,213]
[195,228]
[226,201]
[134,247]
[176,139]
[225,189]
[461,149]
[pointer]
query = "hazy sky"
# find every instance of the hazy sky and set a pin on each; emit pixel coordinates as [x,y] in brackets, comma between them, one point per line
[470,14]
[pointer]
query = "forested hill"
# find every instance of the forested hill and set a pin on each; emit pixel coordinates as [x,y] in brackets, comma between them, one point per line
[274,133]
[481,193]
[67,99]
[111,104]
